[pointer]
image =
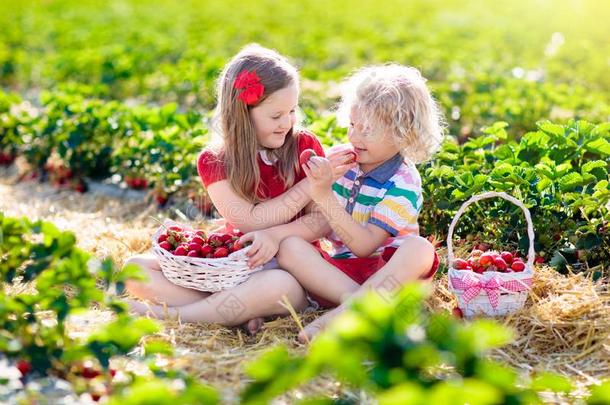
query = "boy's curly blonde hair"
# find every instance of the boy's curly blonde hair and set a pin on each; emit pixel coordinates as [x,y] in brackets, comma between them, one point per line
[394,99]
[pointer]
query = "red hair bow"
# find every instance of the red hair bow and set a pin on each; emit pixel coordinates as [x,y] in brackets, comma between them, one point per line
[250,85]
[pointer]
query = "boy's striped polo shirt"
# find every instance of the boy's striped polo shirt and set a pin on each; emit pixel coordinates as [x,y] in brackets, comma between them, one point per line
[388,196]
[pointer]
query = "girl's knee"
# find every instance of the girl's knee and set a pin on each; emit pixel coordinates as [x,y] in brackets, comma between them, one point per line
[290,247]
[288,286]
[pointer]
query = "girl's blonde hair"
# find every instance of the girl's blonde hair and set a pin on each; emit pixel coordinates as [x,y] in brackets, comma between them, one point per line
[395,100]
[235,140]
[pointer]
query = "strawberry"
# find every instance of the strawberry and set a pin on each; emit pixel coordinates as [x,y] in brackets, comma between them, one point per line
[306,155]
[181,251]
[216,239]
[194,247]
[194,253]
[507,256]
[352,157]
[89,371]
[112,372]
[221,252]
[165,245]
[198,240]
[539,260]
[486,259]
[227,237]
[457,312]
[460,264]
[80,187]
[478,269]
[161,200]
[206,250]
[24,367]
[500,264]
[175,228]
[162,238]
[237,246]
[517,265]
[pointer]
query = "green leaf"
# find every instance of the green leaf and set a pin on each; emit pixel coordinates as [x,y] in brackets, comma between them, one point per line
[600,394]
[570,181]
[599,146]
[553,382]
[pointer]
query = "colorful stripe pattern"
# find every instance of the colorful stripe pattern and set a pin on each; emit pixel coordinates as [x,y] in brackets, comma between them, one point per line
[389,196]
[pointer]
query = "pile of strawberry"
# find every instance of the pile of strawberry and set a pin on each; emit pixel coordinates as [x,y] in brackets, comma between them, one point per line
[195,243]
[480,262]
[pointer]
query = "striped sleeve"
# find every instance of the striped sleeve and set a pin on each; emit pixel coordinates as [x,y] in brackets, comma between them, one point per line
[397,212]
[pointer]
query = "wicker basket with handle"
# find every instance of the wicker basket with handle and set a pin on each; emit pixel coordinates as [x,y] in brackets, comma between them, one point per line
[491,293]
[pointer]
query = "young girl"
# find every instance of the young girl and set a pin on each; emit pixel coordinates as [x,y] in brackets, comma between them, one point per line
[253,177]
[373,208]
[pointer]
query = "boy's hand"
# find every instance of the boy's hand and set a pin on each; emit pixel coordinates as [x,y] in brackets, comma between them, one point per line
[264,247]
[340,161]
[319,171]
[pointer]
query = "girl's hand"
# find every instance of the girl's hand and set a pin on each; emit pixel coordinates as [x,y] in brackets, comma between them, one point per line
[321,177]
[264,247]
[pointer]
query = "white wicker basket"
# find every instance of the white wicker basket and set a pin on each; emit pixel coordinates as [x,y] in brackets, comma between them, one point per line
[492,293]
[203,274]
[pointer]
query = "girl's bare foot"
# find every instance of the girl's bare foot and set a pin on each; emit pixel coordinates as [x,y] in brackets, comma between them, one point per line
[253,326]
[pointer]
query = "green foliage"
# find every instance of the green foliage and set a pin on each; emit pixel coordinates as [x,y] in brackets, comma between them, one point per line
[560,172]
[392,347]
[64,281]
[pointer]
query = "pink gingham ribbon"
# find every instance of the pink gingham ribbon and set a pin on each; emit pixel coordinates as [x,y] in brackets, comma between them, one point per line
[472,285]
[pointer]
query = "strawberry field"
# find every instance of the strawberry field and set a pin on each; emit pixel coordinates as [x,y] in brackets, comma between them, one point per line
[105,106]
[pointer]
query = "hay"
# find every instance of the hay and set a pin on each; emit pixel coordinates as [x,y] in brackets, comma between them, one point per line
[564,326]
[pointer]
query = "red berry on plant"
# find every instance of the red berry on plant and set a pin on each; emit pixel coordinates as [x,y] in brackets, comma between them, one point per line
[89,371]
[24,367]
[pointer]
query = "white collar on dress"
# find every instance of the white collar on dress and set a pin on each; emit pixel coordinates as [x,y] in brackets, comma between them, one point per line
[265,157]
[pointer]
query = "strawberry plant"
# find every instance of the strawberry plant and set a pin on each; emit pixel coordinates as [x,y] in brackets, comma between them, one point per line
[394,349]
[559,171]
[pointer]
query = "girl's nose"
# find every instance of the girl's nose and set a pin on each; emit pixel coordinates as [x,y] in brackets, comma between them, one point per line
[286,122]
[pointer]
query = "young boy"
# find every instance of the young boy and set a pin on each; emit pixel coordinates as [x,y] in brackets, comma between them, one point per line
[372,210]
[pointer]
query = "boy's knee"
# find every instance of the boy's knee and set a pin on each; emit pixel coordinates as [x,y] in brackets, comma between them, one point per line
[419,252]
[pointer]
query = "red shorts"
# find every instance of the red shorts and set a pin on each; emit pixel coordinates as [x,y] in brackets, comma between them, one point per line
[361,269]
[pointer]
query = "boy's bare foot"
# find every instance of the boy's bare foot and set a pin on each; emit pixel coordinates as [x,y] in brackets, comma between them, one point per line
[311,330]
